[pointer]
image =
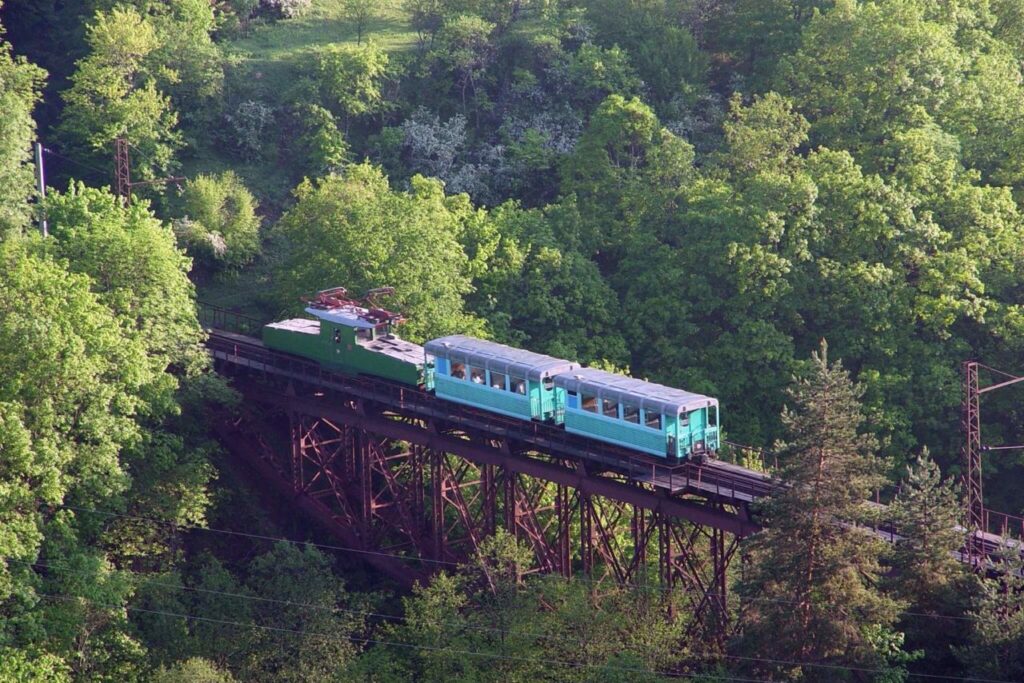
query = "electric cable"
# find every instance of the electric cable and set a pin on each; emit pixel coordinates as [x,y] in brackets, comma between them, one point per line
[386,643]
[377,641]
[585,580]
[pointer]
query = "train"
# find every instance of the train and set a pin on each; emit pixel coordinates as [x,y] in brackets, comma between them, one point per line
[358,337]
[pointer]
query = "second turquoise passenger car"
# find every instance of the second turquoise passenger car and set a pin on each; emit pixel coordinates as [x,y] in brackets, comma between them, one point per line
[642,415]
[495,377]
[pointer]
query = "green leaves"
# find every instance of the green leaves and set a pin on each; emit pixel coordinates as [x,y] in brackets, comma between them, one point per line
[814,570]
[353,230]
[20,87]
[114,94]
[351,79]
[220,224]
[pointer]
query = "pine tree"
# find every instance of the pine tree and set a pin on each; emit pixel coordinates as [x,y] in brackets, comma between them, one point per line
[811,599]
[927,574]
[995,645]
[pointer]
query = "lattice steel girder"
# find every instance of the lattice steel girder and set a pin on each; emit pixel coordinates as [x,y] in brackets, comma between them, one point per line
[249,448]
[586,484]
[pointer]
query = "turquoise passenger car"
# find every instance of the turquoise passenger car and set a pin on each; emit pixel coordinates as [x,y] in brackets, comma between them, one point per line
[495,377]
[636,414]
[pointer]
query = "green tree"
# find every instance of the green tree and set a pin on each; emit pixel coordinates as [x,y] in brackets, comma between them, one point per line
[353,230]
[72,385]
[322,147]
[538,296]
[26,665]
[193,670]
[813,581]
[301,594]
[763,136]
[188,64]
[351,79]
[625,166]
[360,13]
[927,574]
[220,225]
[114,94]
[137,270]
[995,644]
[533,625]
[464,46]
[20,89]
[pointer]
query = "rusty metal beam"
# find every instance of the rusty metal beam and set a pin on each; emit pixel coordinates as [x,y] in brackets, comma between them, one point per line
[485,455]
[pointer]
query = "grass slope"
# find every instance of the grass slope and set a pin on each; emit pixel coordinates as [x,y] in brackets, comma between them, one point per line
[266,64]
[276,53]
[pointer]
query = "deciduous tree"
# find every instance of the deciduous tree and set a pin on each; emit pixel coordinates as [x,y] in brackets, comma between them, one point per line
[114,95]
[354,230]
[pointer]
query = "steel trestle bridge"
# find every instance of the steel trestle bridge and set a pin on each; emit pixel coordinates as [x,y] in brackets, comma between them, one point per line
[416,482]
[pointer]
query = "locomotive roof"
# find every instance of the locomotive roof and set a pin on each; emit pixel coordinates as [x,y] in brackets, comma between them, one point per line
[648,395]
[392,346]
[350,316]
[498,357]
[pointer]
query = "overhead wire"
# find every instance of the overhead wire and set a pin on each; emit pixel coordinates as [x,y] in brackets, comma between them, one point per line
[585,580]
[532,660]
[82,164]
[507,632]
[391,643]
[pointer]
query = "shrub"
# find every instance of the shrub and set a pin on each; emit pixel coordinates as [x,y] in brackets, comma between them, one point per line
[220,227]
[248,127]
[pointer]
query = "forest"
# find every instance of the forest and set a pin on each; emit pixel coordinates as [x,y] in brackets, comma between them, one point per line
[812,210]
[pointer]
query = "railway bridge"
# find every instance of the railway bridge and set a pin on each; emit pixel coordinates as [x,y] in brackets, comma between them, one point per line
[415,482]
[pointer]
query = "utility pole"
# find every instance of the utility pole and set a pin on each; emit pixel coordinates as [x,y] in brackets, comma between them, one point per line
[971,427]
[977,516]
[122,170]
[41,186]
[122,173]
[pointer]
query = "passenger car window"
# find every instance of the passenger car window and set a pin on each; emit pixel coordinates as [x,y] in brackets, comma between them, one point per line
[517,385]
[589,403]
[652,420]
[459,370]
[497,380]
[610,408]
[476,375]
[631,413]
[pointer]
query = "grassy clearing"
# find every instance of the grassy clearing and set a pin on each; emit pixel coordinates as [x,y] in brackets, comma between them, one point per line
[266,63]
[277,53]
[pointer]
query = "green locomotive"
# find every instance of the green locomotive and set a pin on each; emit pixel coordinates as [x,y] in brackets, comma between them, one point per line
[346,336]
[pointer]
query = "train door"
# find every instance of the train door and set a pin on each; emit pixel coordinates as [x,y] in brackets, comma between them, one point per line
[536,400]
[698,421]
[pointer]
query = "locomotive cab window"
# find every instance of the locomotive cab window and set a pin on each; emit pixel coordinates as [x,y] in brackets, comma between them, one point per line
[476,375]
[365,334]
[517,385]
[653,420]
[589,403]
[549,383]
[631,413]
[497,380]
[458,370]
[610,408]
